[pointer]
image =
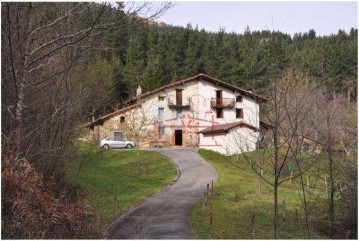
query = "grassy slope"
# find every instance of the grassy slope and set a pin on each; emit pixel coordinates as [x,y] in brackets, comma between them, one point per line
[110,187]
[234,201]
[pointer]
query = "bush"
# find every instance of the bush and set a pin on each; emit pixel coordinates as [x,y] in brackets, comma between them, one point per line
[30,210]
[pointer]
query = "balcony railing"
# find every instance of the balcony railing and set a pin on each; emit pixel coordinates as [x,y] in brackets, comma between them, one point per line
[226,103]
[175,106]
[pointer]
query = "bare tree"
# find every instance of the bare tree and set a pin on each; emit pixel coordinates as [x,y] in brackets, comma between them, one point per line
[287,112]
[337,132]
[139,125]
[43,45]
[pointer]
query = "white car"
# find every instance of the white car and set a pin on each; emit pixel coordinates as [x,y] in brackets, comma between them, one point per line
[113,142]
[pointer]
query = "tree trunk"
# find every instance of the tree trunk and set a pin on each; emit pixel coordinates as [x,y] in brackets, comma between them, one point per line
[348,95]
[305,205]
[276,209]
[332,190]
[18,118]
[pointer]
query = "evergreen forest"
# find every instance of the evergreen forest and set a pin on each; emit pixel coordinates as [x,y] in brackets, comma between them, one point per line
[152,55]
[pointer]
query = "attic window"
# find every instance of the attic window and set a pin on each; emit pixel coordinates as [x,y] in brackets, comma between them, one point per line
[161,98]
[122,119]
[239,98]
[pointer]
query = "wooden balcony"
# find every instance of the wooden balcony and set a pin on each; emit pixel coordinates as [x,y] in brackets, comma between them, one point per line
[225,103]
[172,105]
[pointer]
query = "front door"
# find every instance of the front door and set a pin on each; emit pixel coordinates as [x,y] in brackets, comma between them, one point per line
[178,137]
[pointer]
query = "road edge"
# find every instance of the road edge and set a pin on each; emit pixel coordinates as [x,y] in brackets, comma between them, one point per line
[108,229]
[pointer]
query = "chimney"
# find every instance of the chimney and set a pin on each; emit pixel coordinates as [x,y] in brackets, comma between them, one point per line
[139,90]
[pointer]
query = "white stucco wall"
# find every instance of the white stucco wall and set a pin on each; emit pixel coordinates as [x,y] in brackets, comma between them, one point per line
[251,110]
[207,90]
[198,94]
[237,140]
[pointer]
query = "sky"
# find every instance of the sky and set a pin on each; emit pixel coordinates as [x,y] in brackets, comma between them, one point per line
[290,17]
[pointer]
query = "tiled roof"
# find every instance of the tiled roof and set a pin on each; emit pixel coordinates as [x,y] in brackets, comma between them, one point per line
[224,128]
[101,119]
[198,77]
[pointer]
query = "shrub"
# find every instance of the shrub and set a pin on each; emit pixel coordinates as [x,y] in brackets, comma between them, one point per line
[30,210]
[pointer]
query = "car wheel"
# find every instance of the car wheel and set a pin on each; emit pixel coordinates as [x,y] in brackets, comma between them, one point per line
[129,146]
[106,146]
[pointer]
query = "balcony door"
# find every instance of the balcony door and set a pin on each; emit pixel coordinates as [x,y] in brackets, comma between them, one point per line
[178,97]
[219,98]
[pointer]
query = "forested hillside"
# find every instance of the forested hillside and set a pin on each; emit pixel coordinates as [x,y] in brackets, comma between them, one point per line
[65,63]
[151,56]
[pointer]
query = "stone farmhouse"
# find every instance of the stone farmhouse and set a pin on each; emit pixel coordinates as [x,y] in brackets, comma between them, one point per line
[199,111]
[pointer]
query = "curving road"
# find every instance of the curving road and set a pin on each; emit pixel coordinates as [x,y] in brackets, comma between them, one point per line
[165,216]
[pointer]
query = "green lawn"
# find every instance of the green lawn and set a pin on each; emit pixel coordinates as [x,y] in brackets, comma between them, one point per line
[235,201]
[111,188]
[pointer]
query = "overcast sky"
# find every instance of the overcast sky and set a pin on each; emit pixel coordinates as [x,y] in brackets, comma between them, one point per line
[289,17]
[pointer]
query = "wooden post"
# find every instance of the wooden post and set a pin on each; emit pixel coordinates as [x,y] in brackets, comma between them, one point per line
[307,182]
[253,217]
[211,217]
[212,188]
[207,191]
[290,178]
[204,201]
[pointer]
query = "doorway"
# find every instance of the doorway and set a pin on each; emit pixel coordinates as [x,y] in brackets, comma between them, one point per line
[178,137]
[218,98]
[178,97]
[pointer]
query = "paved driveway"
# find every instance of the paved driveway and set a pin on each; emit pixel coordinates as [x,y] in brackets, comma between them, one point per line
[166,215]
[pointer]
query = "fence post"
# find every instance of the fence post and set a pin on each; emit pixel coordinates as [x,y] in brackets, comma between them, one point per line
[211,217]
[212,188]
[204,201]
[207,193]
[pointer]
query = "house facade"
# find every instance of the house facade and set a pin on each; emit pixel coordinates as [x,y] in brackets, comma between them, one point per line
[199,111]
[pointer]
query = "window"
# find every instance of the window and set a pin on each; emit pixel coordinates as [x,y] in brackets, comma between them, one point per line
[117,136]
[122,119]
[239,98]
[161,98]
[161,129]
[161,112]
[239,113]
[219,113]
[178,113]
